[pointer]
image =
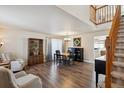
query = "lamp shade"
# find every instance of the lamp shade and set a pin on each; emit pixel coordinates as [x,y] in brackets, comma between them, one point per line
[1,43]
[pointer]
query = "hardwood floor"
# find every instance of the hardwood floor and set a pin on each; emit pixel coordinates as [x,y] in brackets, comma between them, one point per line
[78,75]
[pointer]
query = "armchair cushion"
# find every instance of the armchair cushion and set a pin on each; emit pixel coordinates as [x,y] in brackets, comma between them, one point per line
[20,74]
[4,63]
[17,65]
[29,81]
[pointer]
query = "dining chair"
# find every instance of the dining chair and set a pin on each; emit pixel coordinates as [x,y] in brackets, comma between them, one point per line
[70,58]
[59,57]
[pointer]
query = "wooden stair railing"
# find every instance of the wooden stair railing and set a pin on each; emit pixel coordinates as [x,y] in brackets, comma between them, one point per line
[93,14]
[110,44]
[102,14]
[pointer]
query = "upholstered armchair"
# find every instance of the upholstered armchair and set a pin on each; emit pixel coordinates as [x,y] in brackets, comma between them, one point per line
[18,80]
[4,62]
[15,64]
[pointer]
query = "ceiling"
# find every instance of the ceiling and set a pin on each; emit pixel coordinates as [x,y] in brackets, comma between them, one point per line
[82,12]
[41,18]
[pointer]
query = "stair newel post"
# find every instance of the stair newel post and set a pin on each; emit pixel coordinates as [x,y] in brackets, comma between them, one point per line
[108,62]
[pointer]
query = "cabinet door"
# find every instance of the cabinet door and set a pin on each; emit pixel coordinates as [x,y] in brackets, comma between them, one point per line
[34,60]
[30,61]
[35,51]
[41,59]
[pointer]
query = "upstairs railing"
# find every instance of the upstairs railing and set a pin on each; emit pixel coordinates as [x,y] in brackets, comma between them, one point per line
[93,14]
[102,14]
[110,45]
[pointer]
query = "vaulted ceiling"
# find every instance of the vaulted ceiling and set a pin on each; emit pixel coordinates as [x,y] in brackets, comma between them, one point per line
[45,19]
[82,12]
[57,20]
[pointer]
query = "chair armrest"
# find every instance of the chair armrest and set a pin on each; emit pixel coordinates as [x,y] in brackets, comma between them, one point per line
[29,81]
[4,63]
[20,74]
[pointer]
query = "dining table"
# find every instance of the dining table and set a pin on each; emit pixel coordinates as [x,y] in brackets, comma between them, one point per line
[63,55]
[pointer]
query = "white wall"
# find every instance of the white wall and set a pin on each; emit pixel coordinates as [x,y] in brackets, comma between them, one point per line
[87,42]
[16,41]
[82,12]
[77,11]
[122,10]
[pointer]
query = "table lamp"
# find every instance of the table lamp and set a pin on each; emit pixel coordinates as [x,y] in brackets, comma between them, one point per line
[1,43]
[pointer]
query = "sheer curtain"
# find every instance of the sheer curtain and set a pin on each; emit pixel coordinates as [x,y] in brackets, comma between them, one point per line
[57,44]
[48,49]
[53,44]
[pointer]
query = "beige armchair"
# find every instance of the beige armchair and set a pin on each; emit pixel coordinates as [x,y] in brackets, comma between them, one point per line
[4,62]
[18,80]
[14,64]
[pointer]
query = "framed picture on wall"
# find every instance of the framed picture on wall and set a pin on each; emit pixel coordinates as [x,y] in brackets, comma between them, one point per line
[77,42]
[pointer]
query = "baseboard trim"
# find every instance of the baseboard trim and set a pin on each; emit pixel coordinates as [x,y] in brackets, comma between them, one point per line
[88,61]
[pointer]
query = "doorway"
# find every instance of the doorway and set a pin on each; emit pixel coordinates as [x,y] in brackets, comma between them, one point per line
[99,46]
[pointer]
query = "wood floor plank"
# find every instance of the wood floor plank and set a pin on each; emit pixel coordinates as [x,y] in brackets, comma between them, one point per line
[78,75]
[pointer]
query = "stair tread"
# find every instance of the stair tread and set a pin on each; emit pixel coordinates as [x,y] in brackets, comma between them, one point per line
[120,35]
[120,64]
[121,21]
[120,40]
[119,47]
[121,31]
[121,27]
[118,75]
[113,85]
[122,24]
[119,54]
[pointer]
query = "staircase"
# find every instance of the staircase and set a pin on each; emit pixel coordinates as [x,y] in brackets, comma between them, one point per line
[117,73]
[115,53]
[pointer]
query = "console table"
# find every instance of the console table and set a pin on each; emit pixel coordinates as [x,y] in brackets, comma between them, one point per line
[100,67]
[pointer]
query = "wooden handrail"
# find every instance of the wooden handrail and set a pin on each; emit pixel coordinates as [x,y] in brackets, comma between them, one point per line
[101,7]
[93,6]
[102,14]
[110,44]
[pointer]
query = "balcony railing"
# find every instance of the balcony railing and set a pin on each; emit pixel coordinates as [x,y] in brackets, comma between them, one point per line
[102,14]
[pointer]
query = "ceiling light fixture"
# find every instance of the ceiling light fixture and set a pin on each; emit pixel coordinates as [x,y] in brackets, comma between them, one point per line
[67,38]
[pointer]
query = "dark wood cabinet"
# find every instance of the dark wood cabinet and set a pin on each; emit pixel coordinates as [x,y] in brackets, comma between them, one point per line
[78,53]
[35,51]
